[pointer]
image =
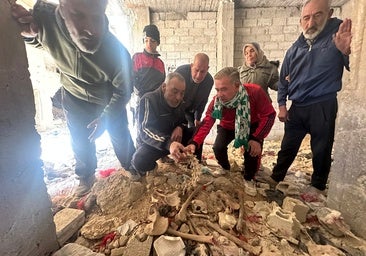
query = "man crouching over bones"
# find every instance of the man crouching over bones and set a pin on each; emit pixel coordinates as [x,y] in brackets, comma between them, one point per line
[246,116]
[162,126]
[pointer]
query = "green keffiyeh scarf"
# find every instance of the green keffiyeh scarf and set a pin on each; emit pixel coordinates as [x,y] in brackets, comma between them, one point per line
[242,116]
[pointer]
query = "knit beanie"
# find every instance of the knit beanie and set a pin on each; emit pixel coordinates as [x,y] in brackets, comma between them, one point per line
[153,32]
[257,50]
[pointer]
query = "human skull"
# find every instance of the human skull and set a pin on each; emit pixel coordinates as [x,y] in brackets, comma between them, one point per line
[198,206]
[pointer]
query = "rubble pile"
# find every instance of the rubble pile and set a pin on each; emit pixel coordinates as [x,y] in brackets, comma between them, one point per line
[187,209]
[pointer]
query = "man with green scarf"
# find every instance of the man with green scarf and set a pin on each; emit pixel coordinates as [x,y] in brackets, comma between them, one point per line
[246,116]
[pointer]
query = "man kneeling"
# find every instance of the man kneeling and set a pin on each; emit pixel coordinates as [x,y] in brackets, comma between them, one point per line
[162,124]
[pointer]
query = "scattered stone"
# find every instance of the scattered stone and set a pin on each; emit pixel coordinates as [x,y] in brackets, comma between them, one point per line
[288,188]
[298,207]
[68,221]
[120,214]
[226,221]
[284,222]
[317,249]
[135,248]
[73,249]
[169,245]
[332,221]
[99,226]
[126,228]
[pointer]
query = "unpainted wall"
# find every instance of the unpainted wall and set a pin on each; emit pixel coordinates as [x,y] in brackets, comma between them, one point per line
[347,187]
[26,226]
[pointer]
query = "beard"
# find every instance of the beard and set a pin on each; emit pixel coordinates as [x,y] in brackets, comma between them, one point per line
[314,31]
[87,45]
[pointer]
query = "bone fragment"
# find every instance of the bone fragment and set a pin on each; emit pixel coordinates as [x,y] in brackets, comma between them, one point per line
[254,250]
[182,214]
[197,238]
[240,225]
[198,215]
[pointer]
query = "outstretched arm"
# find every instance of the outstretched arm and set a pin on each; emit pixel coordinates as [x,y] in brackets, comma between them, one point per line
[342,39]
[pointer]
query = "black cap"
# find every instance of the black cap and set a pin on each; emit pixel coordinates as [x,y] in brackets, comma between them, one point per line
[153,32]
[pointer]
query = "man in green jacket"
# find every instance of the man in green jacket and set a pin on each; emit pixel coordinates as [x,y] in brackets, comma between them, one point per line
[95,70]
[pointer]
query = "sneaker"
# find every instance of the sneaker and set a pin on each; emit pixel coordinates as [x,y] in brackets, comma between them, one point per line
[85,184]
[267,179]
[250,188]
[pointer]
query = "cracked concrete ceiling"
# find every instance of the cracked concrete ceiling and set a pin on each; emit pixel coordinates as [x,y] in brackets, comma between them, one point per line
[212,5]
[197,5]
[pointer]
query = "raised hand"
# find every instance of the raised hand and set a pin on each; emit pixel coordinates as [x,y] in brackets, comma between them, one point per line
[342,39]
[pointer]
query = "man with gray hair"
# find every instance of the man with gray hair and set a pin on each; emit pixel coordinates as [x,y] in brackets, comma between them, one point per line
[162,122]
[95,71]
[311,76]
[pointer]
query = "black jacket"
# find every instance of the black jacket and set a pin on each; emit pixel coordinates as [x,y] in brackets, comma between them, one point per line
[157,120]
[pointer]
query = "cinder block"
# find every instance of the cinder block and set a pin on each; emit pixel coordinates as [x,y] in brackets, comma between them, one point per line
[284,222]
[209,15]
[68,221]
[299,208]
[194,15]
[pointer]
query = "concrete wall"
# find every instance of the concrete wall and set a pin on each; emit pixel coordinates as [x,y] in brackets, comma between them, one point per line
[184,36]
[275,29]
[347,187]
[26,226]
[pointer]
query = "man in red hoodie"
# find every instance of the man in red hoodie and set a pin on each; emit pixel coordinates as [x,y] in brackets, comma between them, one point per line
[246,116]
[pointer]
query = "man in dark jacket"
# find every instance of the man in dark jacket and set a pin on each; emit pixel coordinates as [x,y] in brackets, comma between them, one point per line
[95,70]
[161,123]
[310,77]
[199,83]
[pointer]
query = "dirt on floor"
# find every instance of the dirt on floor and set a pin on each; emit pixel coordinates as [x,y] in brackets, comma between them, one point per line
[212,214]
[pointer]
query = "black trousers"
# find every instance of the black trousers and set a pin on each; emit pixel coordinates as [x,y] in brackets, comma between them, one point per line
[145,157]
[79,114]
[220,147]
[319,121]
